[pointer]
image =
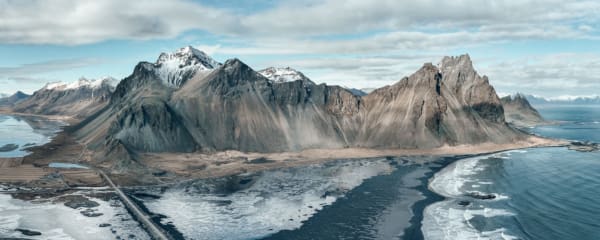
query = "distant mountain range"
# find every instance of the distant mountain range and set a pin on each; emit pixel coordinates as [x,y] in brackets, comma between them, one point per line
[518,111]
[535,100]
[78,99]
[12,100]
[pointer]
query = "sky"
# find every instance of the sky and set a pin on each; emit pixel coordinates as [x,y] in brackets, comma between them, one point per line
[547,48]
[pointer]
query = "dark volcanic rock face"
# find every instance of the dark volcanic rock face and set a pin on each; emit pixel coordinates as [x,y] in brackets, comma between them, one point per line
[519,112]
[235,107]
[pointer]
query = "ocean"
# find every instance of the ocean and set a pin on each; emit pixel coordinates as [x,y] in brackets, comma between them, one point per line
[540,193]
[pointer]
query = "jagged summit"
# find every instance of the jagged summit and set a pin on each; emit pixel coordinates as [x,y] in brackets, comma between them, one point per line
[462,62]
[175,68]
[281,75]
[188,56]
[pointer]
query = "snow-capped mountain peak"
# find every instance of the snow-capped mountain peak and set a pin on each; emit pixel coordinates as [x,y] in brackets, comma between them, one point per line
[281,75]
[175,68]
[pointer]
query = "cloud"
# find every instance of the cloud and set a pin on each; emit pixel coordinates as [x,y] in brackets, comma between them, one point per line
[402,41]
[548,75]
[25,70]
[29,77]
[349,16]
[72,22]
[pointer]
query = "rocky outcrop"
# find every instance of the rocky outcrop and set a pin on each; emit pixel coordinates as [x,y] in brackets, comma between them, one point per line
[235,107]
[519,112]
[79,99]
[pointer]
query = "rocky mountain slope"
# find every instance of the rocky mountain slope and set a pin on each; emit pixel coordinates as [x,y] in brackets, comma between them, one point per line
[231,106]
[79,99]
[11,100]
[519,112]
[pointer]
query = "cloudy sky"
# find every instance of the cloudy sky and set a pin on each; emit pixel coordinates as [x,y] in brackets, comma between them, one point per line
[548,48]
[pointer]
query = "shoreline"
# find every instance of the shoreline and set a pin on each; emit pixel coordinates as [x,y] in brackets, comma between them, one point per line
[67,119]
[167,168]
[189,166]
[172,168]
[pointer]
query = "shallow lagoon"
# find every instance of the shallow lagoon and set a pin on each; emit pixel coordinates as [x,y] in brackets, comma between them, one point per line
[25,132]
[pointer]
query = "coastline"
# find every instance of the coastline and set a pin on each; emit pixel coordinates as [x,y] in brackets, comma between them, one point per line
[201,165]
[68,119]
[178,167]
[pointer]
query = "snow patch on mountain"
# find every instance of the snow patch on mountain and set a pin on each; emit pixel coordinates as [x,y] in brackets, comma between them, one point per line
[281,75]
[82,83]
[175,68]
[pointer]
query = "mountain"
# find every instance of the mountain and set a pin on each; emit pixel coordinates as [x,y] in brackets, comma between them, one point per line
[78,99]
[519,112]
[11,100]
[438,105]
[233,107]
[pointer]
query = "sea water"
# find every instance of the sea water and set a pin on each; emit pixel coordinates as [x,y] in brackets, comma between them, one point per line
[540,193]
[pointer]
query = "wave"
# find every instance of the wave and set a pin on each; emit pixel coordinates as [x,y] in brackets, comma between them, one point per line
[452,218]
[447,220]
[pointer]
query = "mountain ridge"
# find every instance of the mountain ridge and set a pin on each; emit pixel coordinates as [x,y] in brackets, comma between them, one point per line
[233,107]
[78,99]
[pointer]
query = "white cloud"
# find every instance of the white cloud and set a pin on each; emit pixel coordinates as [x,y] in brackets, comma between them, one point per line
[402,41]
[30,77]
[548,75]
[45,67]
[71,22]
